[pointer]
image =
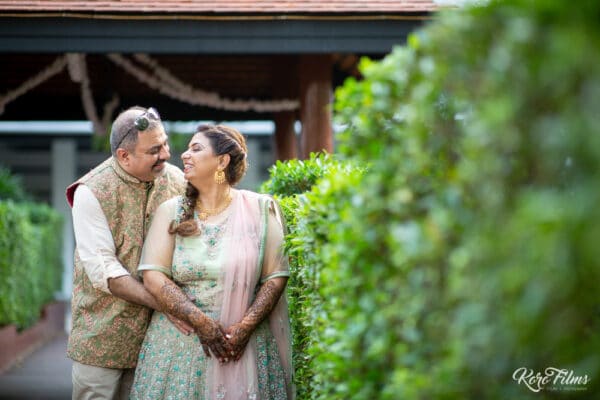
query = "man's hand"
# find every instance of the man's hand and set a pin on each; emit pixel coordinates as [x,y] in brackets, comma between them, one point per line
[181,325]
[130,289]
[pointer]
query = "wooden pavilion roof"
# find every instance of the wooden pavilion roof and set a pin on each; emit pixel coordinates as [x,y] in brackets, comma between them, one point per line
[237,48]
[221,6]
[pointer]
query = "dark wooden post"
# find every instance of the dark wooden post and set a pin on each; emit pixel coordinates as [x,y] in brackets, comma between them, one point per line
[315,74]
[285,85]
[285,136]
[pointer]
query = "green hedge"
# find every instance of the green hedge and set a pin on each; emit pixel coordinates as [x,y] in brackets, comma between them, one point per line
[468,249]
[297,176]
[290,182]
[30,261]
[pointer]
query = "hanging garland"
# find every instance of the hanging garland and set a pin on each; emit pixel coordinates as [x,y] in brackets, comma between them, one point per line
[53,69]
[158,78]
[75,64]
[78,72]
[166,83]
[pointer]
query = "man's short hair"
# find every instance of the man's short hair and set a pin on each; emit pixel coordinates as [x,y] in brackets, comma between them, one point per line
[123,133]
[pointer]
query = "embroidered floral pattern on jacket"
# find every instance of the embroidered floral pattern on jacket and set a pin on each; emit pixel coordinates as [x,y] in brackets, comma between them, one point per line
[108,331]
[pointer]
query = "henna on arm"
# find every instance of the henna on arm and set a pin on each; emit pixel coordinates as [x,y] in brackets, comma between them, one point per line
[267,297]
[174,301]
[130,289]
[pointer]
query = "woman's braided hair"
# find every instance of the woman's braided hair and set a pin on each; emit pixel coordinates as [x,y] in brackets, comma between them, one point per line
[223,140]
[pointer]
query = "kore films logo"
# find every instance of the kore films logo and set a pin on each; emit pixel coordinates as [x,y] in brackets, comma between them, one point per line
[552,379]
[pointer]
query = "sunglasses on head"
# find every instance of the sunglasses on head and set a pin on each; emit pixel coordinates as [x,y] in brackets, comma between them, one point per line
[142,122]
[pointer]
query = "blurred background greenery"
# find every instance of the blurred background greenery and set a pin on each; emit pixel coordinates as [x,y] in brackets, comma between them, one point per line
[30,254]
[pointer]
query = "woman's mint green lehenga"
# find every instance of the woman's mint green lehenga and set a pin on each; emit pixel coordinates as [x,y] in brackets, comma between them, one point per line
[172,365]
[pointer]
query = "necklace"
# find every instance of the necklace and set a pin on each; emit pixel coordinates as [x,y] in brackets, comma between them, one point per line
[204,213]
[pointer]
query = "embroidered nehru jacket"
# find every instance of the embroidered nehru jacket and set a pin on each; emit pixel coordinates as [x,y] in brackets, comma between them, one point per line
[108,331]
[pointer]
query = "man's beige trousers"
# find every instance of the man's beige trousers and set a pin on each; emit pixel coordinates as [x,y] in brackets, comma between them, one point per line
[90,382]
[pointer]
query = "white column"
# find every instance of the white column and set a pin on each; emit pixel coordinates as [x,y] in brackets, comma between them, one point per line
[252,178]
[64,167]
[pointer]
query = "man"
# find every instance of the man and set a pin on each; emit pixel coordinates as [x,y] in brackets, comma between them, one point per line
[112,209]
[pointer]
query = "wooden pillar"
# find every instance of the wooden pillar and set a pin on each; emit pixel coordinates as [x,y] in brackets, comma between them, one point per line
[285,136]
[315,74]
[285,86]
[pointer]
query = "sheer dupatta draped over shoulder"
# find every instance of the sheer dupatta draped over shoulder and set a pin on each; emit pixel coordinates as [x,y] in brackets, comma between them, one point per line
[245,260]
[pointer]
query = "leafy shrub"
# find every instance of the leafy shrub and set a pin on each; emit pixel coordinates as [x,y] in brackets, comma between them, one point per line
[291,182]
[297,176]
[322,218]
[468,248]
[30,261]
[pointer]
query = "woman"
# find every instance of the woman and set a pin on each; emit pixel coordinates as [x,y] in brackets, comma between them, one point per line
[221,247]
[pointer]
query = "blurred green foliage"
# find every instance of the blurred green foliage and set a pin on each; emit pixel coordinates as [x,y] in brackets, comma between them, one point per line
[468,248]
[178,141]
[30,258]
[11,186]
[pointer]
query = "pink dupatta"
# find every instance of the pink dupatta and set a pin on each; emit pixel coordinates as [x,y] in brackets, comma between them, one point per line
[241,275]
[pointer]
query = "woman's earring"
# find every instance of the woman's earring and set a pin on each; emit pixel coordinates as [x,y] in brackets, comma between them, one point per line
[219,176]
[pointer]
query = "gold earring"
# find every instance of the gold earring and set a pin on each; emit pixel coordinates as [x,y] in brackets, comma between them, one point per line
[219,176]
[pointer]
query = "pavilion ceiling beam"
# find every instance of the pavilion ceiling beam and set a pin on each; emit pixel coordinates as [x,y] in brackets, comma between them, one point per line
[44,35]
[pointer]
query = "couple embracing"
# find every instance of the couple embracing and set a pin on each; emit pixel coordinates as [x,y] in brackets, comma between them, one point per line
[179,278]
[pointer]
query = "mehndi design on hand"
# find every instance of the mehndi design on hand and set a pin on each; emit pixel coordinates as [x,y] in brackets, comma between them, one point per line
[210,333]
[239,334]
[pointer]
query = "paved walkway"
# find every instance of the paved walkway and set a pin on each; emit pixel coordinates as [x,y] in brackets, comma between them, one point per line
[44,375]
